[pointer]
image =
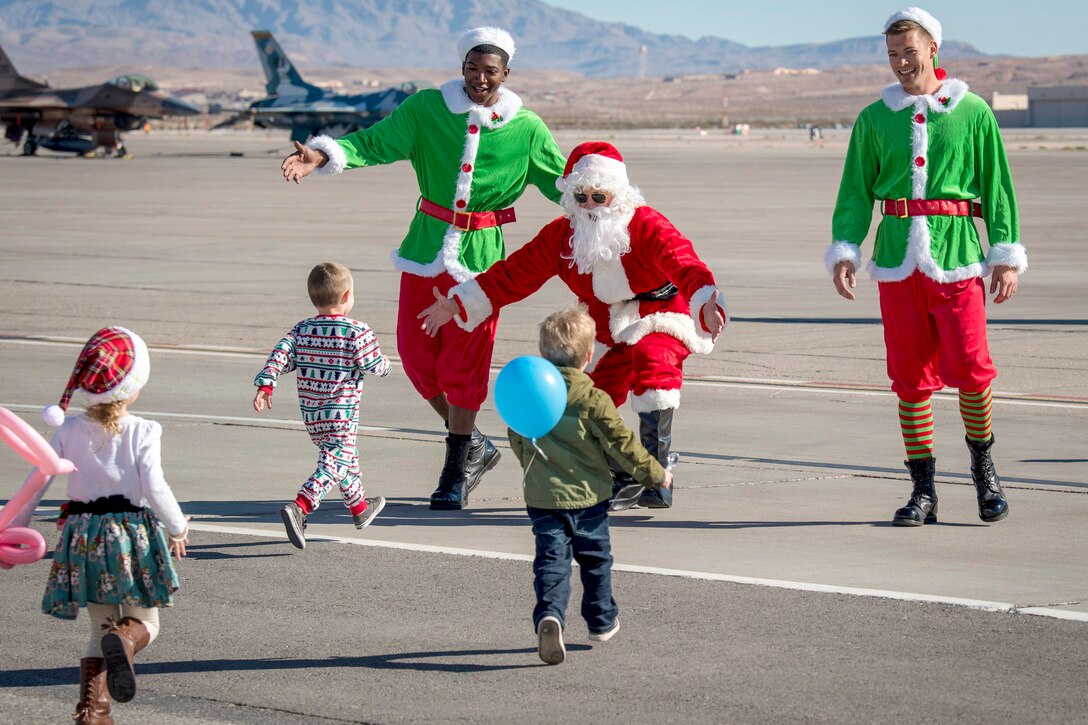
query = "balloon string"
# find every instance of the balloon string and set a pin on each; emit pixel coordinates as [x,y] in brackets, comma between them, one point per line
[525,473]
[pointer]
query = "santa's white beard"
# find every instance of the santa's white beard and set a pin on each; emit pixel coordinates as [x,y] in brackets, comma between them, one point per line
[599,235]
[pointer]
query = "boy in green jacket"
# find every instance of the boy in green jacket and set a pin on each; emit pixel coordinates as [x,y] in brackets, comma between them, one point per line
[567,492]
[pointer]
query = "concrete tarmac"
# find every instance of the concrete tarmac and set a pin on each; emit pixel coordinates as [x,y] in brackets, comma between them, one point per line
[775,589]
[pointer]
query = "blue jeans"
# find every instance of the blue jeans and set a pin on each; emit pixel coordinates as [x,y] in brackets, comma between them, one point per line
[583,533]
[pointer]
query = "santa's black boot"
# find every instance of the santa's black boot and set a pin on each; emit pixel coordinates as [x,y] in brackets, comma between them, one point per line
[921,508]
[655,431]
[452,491]
[991,497]
[482,457]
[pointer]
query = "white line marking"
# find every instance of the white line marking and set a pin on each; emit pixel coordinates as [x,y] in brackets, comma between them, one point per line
[736,383]
[978,604]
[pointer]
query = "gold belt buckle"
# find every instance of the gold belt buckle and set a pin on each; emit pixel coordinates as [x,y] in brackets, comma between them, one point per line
[467,216]
[906,210]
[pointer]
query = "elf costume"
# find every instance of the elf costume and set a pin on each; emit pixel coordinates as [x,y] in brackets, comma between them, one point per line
[471,162]
[927,158]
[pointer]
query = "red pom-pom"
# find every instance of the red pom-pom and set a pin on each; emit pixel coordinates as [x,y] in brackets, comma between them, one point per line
[939,72]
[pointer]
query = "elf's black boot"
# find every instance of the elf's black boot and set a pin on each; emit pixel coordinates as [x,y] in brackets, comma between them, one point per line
[991,497]
[482,457]
[921,508]
[655,431]
[452,491]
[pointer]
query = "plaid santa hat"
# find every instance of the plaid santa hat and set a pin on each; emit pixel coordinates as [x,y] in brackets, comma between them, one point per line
[112,366]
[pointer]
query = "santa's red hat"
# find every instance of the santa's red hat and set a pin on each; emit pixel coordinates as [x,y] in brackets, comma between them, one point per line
[112,366]
[598,164]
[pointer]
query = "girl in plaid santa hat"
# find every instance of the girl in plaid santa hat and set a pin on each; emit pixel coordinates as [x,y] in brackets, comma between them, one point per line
[120,525]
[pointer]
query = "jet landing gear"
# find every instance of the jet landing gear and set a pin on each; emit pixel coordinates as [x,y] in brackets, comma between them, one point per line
[30,147]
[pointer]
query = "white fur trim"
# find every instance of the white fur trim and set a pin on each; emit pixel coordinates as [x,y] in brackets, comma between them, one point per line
[919,142]
[918,256]
[477,306]
[700,298]
[1007,254]
[338,160]
[136,378]
[653,400]
[610,283]
[842,252]
[627,326]
[896,97]
[611,169]
[486,35]
[458,102]
[927,21]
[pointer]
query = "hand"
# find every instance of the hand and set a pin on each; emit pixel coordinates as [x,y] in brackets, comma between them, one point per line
[1004,281]
[177,544]
[302,163]
[713,319]
[845,278]
[260,400]
[442,311]
[667,483]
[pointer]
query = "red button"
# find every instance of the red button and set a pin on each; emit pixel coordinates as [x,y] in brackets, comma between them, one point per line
[473,128]
[919,118]
[920,161]
[466,168]
[460,204]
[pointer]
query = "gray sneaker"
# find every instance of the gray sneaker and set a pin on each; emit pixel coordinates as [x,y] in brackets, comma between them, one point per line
[607,634]
[295,523]
[374,507]
[550,640]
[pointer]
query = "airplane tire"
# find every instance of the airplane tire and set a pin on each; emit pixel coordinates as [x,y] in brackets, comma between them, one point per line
[30,148]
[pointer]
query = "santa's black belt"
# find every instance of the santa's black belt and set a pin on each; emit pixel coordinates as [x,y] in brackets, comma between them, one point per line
[662,294]
[116,504]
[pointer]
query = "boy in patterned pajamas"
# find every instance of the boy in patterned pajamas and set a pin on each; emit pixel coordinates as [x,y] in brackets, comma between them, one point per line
[330,353]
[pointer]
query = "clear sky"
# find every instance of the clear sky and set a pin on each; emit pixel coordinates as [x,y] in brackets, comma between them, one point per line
[998,27]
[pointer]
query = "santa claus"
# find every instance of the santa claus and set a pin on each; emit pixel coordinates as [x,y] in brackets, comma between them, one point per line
[653,300]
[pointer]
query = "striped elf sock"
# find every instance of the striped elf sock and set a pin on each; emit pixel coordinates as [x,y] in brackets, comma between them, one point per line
[976,410]
[916,422]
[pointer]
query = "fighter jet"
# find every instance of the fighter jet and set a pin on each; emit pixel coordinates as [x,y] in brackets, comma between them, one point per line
[307,109]
[79,120]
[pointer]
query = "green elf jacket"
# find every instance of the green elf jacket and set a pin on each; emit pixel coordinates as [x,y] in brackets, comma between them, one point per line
[576,473]
[466,158]
[941,146]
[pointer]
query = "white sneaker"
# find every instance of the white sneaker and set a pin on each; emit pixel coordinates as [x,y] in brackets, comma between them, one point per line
[550,640]
[607,634]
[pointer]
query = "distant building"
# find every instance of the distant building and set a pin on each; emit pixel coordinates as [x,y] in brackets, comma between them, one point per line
[1057,106]
[1010,109]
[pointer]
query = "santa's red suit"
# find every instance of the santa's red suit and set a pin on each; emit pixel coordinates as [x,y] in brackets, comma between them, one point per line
[641,343]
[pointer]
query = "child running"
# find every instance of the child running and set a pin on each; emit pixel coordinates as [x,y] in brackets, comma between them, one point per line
[113,556]
[331,352]
[567,492]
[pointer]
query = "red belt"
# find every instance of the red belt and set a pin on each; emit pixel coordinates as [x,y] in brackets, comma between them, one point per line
[903,208]
[467,221]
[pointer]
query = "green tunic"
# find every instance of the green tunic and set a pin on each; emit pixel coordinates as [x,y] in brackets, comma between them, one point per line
[466,158]
[943,146]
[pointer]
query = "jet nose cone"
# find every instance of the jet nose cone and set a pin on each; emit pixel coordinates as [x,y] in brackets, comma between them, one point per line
[172,106]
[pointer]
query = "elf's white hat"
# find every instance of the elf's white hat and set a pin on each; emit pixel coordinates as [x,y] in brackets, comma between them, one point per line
[112,366]
[927,21]
[598,163]
[486,35]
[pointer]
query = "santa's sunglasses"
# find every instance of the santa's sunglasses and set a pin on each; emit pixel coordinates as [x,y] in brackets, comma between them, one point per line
[597,197]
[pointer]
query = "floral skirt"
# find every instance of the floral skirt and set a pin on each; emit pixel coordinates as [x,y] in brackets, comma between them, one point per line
[118,558]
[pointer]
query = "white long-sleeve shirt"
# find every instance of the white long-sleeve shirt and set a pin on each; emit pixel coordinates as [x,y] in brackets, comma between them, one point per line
[129,464]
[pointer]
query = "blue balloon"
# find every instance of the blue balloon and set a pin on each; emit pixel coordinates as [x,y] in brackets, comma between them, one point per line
[531,395]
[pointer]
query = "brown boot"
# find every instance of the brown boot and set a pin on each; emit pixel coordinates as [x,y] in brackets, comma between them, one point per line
[120,644]
[94,701]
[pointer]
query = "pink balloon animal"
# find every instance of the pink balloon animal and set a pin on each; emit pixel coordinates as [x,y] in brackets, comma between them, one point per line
[19,545]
